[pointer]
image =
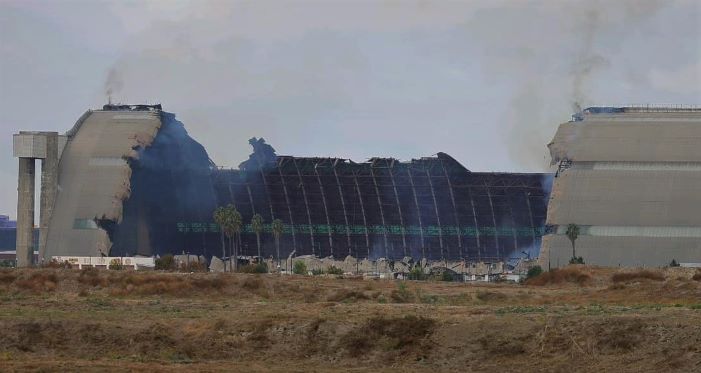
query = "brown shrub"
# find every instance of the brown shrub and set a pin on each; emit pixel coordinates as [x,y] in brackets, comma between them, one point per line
[7,277]
[697,276]
[558,276]
[404,334]
[258,336]
[164,284]
[402,294]
[502,346]
[620,334]
[255,285]
[209,283]
[637,275]
[91,276]
[56,265]
[487,296]
[617,287]
[252,283]
[193,267]
[38,282]
[345,295]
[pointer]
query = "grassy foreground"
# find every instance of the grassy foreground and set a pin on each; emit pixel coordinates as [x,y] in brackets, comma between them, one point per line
[579,319]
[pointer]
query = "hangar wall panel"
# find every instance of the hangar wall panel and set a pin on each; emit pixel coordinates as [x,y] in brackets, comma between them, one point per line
[632,181]
[89,189]
[636,198]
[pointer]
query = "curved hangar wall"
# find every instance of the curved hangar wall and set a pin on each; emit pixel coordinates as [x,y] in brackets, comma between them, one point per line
[125,173]
[631,179]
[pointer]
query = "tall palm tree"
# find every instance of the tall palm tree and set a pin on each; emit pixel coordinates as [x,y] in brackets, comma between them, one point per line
[257,226]
[235,221]
[220,219]
[278,227]
[572,233]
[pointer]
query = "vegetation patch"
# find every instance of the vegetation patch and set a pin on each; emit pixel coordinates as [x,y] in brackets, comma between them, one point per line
[37,282]
[637,275]
[8,277]
[299,268]
[486,296]
[254,268]
[697,276]
[402,294]
[558,276]
[164,284]
[408,334]
[346,295]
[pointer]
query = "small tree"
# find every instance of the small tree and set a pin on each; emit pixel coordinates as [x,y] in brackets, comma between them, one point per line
[165,263]
[674,263]
[229,221]
[299,268]
[257,226]
[534,272]
[278,227]
[235,224]
[572,233]
[220,218]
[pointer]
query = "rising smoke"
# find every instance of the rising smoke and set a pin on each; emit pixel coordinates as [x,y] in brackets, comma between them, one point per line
[113,83]
[412,74]
[170,183]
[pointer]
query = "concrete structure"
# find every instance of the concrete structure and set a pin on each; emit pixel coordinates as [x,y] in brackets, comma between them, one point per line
[105,262]
[630,178]
[86,180]
[28,147]
[130,181]
[94,176]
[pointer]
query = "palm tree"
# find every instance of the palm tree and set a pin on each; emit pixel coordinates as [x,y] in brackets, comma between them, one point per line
[220,220]
[278,227]
[572,233]
[235,221]
[257,226]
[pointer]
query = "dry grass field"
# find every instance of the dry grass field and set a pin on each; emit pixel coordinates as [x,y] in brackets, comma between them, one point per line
[579,319]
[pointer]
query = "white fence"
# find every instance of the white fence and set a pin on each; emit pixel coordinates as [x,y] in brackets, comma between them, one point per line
[97,261]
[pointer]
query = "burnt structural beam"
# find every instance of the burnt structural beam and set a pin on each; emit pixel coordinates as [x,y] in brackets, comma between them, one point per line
[326,209]
[399,205]
[287,202]
[266,186]
[306,204]
[418,209]
[379,202]
[343,205]
[474,218]
[455,209]
[494,220]
[438,216]
[362,212]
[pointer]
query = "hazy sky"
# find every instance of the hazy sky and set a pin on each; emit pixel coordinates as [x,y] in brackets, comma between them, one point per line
[485,81]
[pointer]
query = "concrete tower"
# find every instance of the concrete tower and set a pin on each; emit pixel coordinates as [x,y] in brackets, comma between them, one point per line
[28,147]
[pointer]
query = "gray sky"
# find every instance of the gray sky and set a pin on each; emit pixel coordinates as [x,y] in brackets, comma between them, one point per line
[485,81]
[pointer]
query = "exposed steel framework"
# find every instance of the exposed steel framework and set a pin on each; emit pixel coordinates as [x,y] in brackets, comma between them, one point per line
[431,207]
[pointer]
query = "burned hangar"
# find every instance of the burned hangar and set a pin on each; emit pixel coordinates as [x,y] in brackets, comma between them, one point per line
[129,180]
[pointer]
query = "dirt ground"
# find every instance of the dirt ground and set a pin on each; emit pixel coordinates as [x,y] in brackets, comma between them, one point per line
[580,319]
